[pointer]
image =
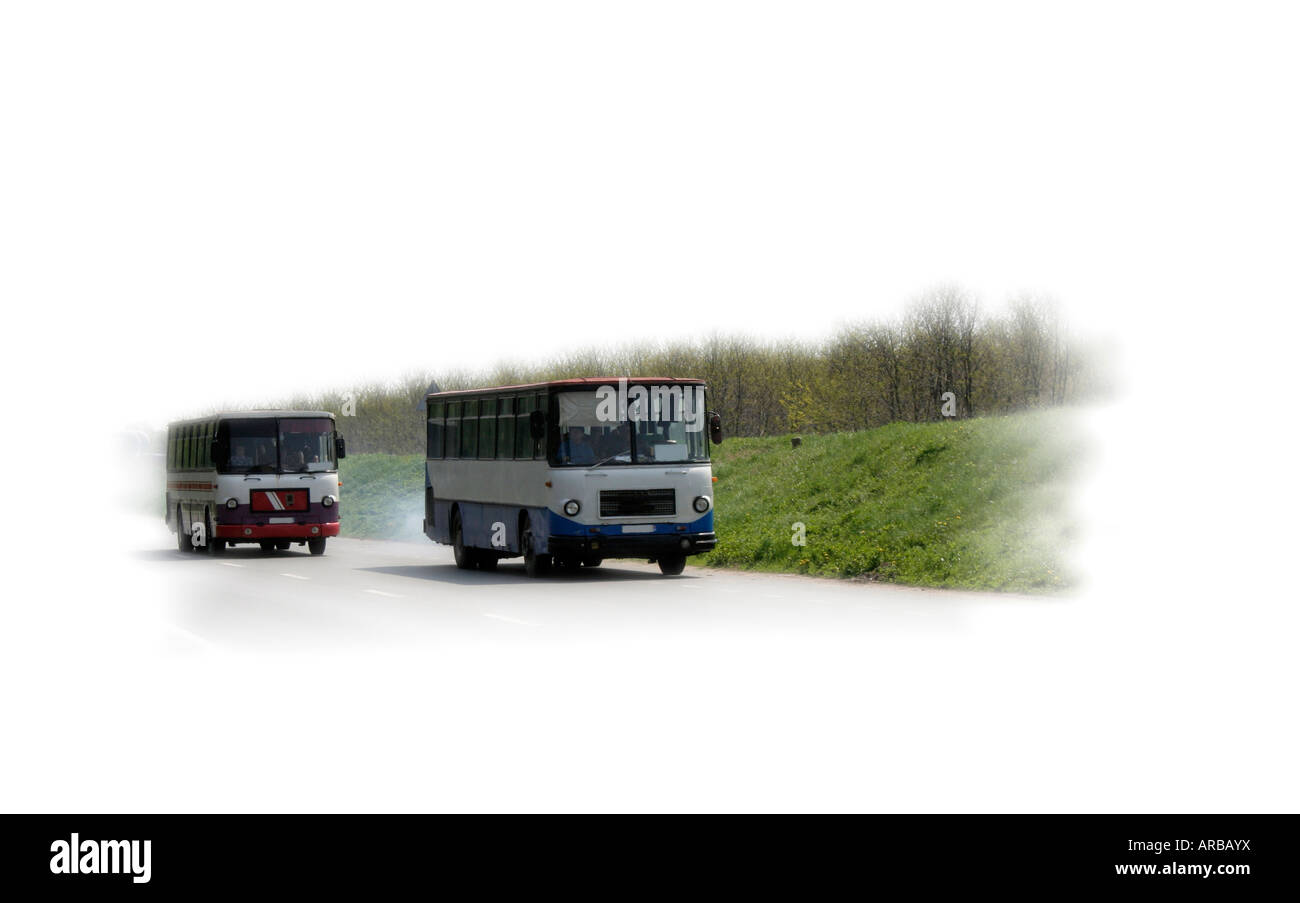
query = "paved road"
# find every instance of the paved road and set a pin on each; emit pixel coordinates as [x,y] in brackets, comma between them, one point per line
[381,677]
[370,592]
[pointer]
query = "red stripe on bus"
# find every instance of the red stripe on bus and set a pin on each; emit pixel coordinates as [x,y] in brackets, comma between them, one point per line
[275,531]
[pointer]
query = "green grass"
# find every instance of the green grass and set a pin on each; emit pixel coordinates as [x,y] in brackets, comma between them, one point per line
[382,496]
[977,504]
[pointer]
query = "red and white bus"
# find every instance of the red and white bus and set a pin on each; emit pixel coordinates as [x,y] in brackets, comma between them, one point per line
[265,477]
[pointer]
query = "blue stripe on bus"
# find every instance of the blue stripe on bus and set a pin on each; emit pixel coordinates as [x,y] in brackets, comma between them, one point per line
[477,522]
[562,526]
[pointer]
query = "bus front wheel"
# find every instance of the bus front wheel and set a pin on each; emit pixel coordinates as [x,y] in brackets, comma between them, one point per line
[316,546]
[534,565]
[182,538]
[215,546]
[672,565]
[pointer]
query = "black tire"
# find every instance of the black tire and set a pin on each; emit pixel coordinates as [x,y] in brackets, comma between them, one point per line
[282,545]
[183,543]
[316,546]
[673,564]
[267,545]
[592,561]
[215,546]
[465,557]
[534,565]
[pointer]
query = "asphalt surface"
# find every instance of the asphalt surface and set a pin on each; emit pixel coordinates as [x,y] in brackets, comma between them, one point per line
[368,592]
[380,677]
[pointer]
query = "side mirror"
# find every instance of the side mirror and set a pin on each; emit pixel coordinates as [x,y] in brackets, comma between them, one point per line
[340,448]
[537,425]
[715,428]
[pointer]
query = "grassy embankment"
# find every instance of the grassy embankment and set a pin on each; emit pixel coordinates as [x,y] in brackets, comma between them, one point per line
[980,503]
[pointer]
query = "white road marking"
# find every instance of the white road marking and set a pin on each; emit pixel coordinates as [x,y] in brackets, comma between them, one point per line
[230,564]
[488,614]
[296,576]
[380,592]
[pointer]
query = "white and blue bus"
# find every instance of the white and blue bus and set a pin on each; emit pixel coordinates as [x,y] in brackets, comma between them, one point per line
[570,472]
[265,477]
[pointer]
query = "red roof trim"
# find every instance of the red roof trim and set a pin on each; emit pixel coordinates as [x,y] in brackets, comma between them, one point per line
[578,381]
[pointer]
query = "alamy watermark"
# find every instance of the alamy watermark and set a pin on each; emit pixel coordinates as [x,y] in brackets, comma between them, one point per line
[642,403]
[101,857]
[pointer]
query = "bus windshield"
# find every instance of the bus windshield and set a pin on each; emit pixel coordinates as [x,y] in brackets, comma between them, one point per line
[589,436]
[271,445]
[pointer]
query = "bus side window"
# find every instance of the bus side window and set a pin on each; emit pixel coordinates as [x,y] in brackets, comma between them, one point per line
[523,444]
[469,431]
[542,404]
[451,438]
[506,429]
[487,428]
[435,429]
[185,448]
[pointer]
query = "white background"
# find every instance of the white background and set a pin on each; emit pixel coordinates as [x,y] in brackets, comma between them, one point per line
[417,186]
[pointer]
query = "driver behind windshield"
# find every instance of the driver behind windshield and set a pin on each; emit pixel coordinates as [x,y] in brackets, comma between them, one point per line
[575,449]
[300,458]
[293,459]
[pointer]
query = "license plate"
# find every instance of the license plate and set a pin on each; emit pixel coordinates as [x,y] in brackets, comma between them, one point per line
[279,520]
[638,528]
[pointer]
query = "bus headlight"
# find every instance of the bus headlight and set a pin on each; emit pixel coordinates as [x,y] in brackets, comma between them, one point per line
[327,501]
[232,504]
[701,503]
[571,507]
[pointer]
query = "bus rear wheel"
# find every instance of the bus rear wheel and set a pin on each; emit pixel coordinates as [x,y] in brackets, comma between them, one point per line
[316,546]
[673,564]
[267,545]
[182,538]
[464,556]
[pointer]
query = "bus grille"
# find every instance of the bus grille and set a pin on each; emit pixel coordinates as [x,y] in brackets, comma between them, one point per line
[638,503]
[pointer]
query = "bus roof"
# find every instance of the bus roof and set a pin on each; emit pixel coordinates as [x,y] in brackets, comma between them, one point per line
[251,415]
[576,383]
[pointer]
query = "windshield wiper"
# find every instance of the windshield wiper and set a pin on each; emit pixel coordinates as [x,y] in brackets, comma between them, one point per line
[607,460]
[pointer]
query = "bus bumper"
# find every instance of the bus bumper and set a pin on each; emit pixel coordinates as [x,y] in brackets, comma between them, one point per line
[276,531]
[632,545]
